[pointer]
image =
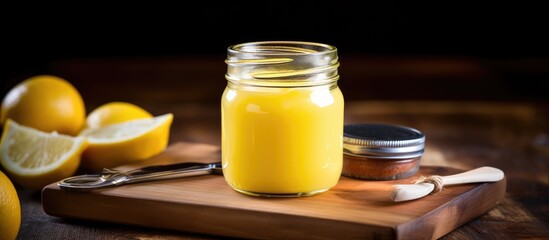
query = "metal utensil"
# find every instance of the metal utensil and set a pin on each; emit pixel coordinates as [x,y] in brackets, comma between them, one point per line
[110,178]
[405,192]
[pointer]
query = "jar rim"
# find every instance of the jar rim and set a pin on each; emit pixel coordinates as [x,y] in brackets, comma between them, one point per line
[282,64]
[282,48]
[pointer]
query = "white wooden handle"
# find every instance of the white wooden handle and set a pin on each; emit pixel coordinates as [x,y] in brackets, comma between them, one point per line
[482,174]
[405,192]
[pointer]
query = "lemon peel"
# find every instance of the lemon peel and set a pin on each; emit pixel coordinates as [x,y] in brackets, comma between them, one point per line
[115,112]
[47,103]
[10,209]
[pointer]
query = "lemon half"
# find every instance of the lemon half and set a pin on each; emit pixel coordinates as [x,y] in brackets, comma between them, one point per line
[35,159]
[117,144]
[115,112]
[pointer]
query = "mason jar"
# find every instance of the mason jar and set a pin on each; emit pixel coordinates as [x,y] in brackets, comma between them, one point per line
[282,119]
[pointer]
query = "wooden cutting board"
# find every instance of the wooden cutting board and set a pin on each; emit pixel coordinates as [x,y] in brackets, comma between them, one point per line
[206,204]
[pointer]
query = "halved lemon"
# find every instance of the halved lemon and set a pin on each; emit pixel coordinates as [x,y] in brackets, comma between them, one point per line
[121,143]
[115,112]
[35,159]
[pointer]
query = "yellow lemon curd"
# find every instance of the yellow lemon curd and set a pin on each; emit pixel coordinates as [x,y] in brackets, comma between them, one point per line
[280,141]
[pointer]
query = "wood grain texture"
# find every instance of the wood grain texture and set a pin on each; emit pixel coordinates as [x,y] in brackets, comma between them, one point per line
[206,204]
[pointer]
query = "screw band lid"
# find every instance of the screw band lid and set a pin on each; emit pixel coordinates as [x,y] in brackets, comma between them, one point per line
[383,141]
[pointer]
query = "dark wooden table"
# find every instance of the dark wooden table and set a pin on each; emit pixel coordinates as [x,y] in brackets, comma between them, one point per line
[510,135]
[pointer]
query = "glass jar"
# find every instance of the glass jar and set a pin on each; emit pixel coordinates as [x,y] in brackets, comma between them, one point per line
[282,119]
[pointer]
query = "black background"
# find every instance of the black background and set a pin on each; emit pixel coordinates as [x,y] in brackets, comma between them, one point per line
[35,35]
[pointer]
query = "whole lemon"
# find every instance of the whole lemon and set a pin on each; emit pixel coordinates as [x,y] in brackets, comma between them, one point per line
[115,112]
[47,103]
[10,209]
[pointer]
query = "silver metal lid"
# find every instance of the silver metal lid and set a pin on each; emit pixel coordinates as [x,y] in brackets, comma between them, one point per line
[383,141]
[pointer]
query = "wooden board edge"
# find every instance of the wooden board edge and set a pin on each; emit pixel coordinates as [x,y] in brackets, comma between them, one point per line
[450,216]
[204,219]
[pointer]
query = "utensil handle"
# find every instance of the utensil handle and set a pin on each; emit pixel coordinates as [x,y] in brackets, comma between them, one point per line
[111,178]
[170,171]
[482,174]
